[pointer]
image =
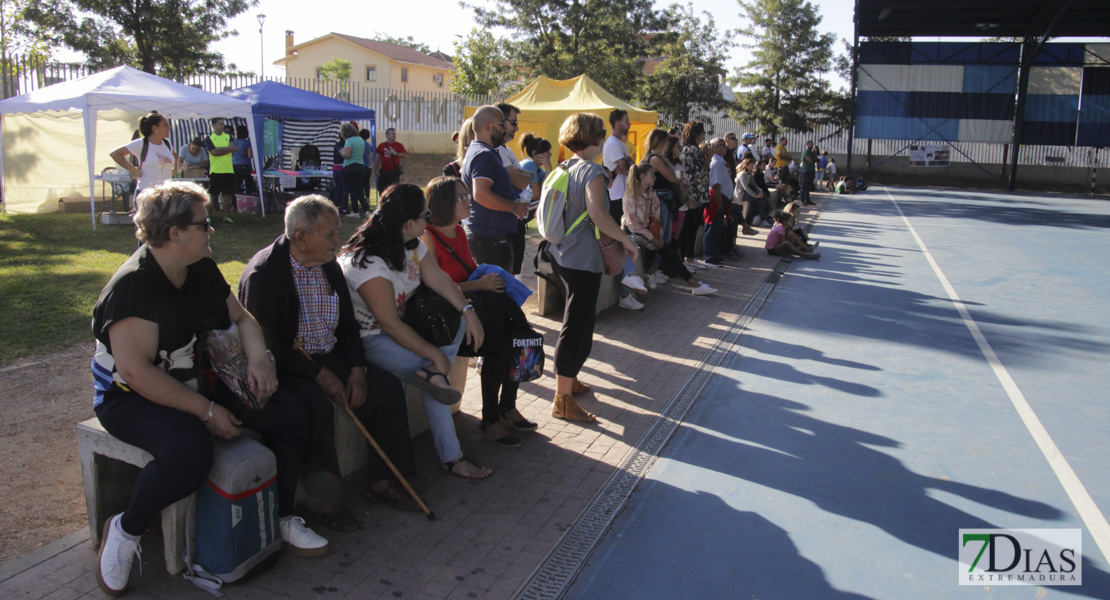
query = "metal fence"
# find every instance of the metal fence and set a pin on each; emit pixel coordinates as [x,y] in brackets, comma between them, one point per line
[442,112]
[835,140]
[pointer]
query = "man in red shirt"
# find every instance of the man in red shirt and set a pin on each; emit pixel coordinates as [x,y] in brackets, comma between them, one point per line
[389,153]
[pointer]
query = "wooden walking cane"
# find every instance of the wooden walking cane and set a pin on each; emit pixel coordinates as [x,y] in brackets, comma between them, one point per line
[299,345]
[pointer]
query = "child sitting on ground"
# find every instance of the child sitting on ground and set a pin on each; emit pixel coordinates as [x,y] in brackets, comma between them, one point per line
[779,245]
[843,187]
[799,234]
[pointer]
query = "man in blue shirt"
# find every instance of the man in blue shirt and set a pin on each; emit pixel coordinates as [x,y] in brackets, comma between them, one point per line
[493,209]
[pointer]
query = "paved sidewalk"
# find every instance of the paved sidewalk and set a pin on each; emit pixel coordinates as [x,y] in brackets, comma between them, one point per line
[490,536]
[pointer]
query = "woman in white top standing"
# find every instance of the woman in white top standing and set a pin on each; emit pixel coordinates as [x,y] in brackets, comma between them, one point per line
[156,164]
[384,262]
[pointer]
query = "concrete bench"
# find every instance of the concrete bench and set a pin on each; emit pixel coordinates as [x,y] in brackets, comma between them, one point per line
[110,468]
[351,446]
[549,297]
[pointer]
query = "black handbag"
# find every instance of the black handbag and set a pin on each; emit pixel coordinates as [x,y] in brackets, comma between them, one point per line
[432,316]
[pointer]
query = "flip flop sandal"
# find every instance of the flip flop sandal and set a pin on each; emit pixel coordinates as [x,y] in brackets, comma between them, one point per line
[449,467]
[443,395]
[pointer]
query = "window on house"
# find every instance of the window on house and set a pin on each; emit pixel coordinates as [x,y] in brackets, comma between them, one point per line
[404,75]
[438,79]
[372,73]
[320,73]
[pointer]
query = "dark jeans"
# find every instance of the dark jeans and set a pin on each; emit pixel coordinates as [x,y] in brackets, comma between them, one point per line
[755,207]
[384,414]
[182,447]
[367,173]
[711,244]
[616,209]
[735,213]
[353,174]
[688,234]
[672,265]
[492,250]
[807,185]
[243,180]
[518,241]
[576,337]
[386,179]
[339,192]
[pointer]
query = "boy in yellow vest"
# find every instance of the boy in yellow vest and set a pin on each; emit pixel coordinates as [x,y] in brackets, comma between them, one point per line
[221,173]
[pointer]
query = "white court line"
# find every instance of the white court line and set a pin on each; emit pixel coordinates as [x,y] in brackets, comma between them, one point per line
[1088,511]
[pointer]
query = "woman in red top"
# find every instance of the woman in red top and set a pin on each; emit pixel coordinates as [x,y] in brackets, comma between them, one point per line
[449,203]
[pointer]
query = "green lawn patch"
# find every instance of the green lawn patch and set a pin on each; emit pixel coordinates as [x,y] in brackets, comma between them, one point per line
[53,266]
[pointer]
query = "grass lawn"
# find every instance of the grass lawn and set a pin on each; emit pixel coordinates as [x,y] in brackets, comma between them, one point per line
[53,266]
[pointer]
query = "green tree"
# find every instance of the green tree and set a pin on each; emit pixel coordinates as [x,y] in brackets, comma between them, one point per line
[170,38]
[18,39]
[481,64]
[784,82]
[407,42]
[604,39]
[688,80]
[337,68]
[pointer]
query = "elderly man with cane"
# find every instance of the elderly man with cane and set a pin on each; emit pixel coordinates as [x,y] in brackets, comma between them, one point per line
[296,291]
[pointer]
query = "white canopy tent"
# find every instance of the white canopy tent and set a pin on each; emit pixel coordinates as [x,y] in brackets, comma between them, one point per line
[120,94]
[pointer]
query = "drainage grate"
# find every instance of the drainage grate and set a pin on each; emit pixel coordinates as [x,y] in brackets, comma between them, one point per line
[562,564]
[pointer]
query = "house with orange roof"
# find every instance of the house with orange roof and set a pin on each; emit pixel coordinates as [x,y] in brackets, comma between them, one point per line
[373,63]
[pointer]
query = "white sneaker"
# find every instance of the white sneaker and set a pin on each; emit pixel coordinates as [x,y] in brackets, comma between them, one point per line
[117,553]
[757,222]
[660,277]
[634,283]
[299,539]
[630,302]
[703,290]
[693,266]
[651,282]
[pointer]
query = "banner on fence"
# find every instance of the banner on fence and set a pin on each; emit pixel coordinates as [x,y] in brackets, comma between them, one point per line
[929,156]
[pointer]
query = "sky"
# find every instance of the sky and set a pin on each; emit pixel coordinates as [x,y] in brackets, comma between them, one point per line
[433,22]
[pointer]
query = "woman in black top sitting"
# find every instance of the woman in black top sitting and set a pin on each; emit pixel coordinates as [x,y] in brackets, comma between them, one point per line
[147,389]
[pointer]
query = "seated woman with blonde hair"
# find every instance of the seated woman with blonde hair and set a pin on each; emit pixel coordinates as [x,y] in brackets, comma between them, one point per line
[147,388]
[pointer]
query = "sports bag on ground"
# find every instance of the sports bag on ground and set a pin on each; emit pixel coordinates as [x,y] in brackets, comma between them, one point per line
[236,531]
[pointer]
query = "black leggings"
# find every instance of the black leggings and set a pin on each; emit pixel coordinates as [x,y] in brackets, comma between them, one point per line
[182,448]
[576,337]
[498,392]
[688,234]
[500,315]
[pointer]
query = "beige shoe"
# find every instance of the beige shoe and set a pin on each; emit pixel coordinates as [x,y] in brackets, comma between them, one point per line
[567,409]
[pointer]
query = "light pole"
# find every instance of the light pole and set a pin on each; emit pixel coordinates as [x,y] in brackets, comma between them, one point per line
[261,55]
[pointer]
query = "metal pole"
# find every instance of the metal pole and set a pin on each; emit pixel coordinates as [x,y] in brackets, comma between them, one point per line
[1092,154]
[852,93]
[261,49]
[1019,112]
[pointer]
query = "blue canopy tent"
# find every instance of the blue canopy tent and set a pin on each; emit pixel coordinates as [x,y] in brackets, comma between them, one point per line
[273,99]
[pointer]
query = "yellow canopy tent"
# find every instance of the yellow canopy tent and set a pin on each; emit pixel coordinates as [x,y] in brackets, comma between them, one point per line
[546,103]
